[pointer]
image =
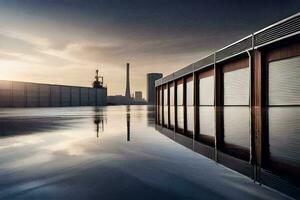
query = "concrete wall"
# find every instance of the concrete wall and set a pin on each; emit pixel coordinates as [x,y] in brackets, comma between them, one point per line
[22,94]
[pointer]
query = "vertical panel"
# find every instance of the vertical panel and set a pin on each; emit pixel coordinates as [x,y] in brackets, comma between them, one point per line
[75,91]
[206,107]
[179,97]
[284,130]
[19,94]
[165,104]
[284,82]
[99,94]
[236,112]
[65,96]
[172,104]
[5,93]
[55,95]
[190,104]
[32,94]
[237,126]
[84,96]
[160,96]
[236,87]
[92,96]
[44,95]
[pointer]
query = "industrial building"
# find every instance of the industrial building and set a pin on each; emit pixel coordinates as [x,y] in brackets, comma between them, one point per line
[240,106]
[26,94]
[151,78]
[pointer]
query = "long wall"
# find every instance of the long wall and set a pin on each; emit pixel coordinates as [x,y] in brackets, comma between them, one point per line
[24,94]
[241,105]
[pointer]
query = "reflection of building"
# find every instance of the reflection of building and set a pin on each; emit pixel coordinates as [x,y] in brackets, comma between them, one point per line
[128,122]
[237,102]
[119,100]
[151,78]
[138,96]
[99,121]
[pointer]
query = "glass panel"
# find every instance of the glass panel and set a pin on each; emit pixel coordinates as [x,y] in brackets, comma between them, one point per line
[206,91]
[284,82]
[180,94]
[160,114]
[180,123]
[207,120]
[236,87]
[165,96]
[189,93]
[166,115]
[172,116]
[284,130]
[172,96]
[237,126]
[190,118]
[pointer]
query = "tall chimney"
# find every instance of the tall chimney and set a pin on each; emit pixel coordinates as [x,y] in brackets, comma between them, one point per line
[127,92]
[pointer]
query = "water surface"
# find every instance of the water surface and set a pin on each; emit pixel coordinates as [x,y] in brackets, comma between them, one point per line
[107,153]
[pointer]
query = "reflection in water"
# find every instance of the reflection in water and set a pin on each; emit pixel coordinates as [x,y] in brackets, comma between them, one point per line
[284,130]
[237,126]
[128,122]
[190,119]
[180,118]
[282,142]
[172,116]
[99,120]
[276,150]
[68,162]
[206,125]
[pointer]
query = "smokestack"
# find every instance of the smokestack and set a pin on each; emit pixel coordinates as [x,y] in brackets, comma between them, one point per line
[127,92]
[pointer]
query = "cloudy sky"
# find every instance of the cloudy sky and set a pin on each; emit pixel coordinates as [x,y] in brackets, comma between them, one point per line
[64,41]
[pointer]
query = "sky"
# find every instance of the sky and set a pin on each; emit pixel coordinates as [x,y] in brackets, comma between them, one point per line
[65,41]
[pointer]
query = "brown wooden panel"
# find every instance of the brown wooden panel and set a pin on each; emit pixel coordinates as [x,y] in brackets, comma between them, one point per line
[283,52]
[237,64]
[180,81]
[188,79]
[257,67]
[206,73]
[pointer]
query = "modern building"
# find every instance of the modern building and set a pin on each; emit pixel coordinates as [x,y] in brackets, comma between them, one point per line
[138,96]
[241,105]
[127,91]
[151,78]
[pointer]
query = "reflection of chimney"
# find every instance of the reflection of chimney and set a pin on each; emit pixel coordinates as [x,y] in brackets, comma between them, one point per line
[127,92]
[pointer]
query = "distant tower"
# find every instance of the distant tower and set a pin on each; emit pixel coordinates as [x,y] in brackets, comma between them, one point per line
[127,92]
[98,83]
[151,78]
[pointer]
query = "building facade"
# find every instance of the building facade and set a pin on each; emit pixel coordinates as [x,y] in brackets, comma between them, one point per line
[241,105]
[151,78]
[26,94]
[138,96]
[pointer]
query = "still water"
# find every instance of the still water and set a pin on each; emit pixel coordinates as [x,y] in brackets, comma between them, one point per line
[112,152]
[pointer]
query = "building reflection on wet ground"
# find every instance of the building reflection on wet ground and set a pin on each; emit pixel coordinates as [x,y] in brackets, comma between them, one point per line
[84,153]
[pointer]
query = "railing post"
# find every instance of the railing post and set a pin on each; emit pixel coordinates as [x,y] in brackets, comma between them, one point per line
[185,131]
[218,102]
[175,106]
[257,116]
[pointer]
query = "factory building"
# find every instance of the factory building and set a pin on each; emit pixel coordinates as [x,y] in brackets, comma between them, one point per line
[26,94]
